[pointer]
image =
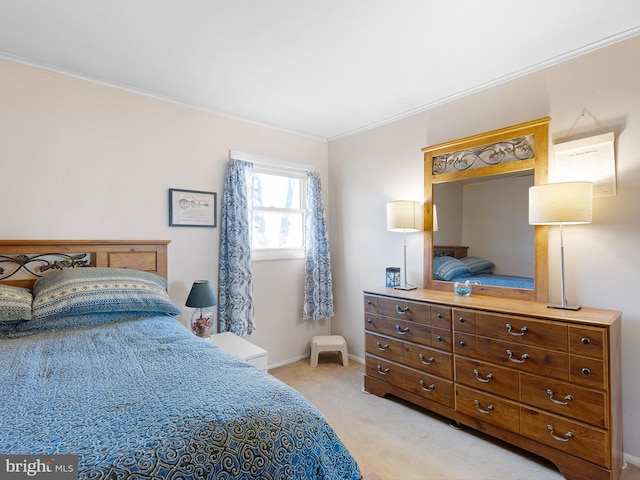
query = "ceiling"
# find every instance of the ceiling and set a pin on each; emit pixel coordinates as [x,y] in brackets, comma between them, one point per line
[324,68]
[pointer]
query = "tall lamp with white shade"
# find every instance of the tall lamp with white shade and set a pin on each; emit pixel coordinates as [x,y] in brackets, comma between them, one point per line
[561,204]
[404,216]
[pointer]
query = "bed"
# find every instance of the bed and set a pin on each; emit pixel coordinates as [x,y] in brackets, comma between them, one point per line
[100,368]
[452,264]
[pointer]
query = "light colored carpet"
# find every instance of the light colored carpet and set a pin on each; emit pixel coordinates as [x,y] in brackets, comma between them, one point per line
[393,440]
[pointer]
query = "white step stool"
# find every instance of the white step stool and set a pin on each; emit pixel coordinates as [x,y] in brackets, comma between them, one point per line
[328,343]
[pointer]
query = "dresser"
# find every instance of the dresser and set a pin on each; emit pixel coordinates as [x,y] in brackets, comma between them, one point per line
[545,380]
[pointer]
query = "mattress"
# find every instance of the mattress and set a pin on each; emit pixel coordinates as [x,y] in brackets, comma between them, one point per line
[143,398]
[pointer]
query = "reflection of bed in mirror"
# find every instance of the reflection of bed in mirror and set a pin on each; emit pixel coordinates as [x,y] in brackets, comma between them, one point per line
[453,264]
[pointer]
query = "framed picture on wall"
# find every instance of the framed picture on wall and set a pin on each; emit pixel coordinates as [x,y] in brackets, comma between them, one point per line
[192,208]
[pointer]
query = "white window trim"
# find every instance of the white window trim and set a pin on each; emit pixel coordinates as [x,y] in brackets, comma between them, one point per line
[271,165]
[268,161]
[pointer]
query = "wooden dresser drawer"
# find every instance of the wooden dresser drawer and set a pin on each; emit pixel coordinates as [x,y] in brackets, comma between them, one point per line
[489,408]
[564,399]
[405,330]
[524,357]
[523,330]
[464,321]
[441,338]
[429,360]
[384,347]
[440,317]
[384,370]
[587,342]
[587,371]
[404,310]
[489,378]
[370,304]
[464,344]
[371,322]
[568,436]
[429,386]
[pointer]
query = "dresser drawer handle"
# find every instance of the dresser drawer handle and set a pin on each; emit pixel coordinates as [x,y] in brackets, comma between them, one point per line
[586,371]
[523,330]
[430,388]
[426,362]
[439,315]
[461,319]
[382,372]
[487,411]
[566,437]
[382,347]
[402,331]
[369,302]
[369,321]
[523,357]
[566,401]
[402,311]
[483,380]
[585,340]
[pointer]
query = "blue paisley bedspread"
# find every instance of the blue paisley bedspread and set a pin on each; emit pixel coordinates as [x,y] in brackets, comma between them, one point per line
[144,399]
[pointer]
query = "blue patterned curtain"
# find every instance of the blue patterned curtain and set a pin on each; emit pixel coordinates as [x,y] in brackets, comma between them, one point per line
[237,313]
[318,290]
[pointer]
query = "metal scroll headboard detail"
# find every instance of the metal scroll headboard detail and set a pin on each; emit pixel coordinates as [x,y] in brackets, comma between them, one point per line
[37,265]
[521,148]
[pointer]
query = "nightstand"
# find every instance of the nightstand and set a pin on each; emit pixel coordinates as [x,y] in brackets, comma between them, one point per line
[242,348]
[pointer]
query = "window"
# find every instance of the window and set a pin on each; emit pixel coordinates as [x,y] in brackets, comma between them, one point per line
[278,212]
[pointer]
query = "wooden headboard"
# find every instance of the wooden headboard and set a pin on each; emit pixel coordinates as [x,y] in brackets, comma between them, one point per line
[22,262]
[449,251]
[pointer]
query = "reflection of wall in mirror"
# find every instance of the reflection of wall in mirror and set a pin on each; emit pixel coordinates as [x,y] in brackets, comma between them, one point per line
[494,224]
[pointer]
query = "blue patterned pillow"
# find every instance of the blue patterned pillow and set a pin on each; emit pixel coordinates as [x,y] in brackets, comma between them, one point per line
[448,268]
[89,290]
[15,303]
[69,322]
[477,264]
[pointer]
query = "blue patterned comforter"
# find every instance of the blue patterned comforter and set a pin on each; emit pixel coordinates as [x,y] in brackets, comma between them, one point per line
[146,399]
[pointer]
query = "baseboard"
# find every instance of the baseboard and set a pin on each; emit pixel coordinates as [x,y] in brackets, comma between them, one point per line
[635,461]
[306,355]
[356,359]
[288,361]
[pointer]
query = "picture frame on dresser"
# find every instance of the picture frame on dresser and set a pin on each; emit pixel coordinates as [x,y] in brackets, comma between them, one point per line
[192,208]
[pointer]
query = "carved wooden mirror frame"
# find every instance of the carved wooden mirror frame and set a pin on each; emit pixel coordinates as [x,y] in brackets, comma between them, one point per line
[508,150]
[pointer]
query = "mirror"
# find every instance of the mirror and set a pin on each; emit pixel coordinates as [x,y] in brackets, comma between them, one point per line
[474,214]
[479,185]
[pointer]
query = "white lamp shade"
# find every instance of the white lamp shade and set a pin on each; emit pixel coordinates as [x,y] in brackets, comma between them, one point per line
[404,216]
[435,218]
[561,203]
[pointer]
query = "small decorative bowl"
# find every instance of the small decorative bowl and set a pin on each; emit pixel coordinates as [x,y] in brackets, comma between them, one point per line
[464,288]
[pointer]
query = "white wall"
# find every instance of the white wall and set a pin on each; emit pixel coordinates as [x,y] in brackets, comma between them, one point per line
[602,259]
[448,198]
[84,161]
[497,230]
